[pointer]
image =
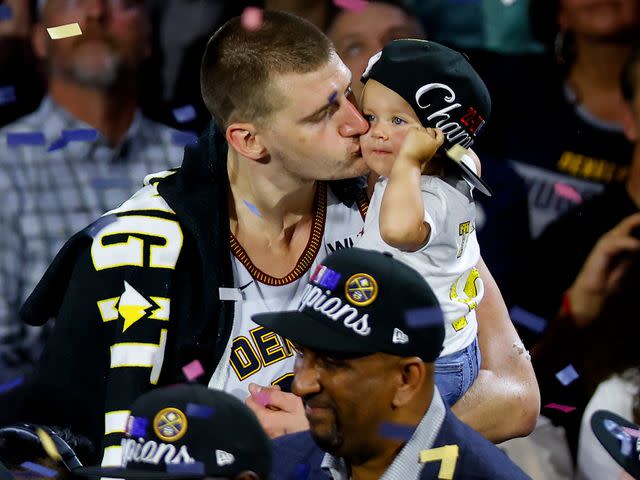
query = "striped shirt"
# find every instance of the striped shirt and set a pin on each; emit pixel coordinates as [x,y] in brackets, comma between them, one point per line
[52,189]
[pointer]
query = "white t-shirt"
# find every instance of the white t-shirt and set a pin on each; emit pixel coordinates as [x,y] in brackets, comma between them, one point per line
[448,261]
[594,462]
[255,354]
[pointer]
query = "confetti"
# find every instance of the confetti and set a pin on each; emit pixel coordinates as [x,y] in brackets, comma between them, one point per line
[195,468]
[253,208]
[423,317]
[302,471]
[184,114]
[251,19]
[80,135]
[632,432]
[355,5]
[39,469]
[562,408]
[138,427]
[263,398]
[332,97]
[567,375]
[58,144]
[25,138]
[193,370]
[567,191]
[7,94]
[232,294]
[325,277]
[97,226]
[396,431]
[48,444]
[448,456]
[527,319]
[64,31]
[5,12]
[6,387]
[199,411]
[184,138]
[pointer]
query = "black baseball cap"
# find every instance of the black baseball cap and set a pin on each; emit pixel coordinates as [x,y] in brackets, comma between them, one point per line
[362,302]
[441,86]
[189,431]
[611,430]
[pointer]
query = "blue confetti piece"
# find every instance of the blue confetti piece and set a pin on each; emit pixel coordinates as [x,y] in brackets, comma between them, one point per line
[395,431]
[8,93]
[195,468]
[97,226]
[253,208]
[5,12]
[184,138]
[424,317]
[302,471]
[332,97]
[527,319]
[567,375]
[58,144]
[103,183]
[39,469]
[325,277]
[139,426]
[80,135]
[199,411]
[6,387]
[25,138]
[184,114]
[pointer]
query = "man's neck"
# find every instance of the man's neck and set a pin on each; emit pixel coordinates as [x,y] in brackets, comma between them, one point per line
[109,112]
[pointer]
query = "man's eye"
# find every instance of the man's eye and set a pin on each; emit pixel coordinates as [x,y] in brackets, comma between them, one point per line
[353,50]
[398,121]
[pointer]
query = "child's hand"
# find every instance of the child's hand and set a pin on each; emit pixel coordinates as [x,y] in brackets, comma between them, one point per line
[421,144]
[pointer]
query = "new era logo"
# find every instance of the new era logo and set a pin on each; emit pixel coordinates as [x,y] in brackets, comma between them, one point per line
[399,336]
[224,458]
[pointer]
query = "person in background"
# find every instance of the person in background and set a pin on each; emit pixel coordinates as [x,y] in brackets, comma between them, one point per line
[53,188]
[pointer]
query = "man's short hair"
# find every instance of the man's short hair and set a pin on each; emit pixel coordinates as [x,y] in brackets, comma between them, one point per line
[238,65]
[630,76]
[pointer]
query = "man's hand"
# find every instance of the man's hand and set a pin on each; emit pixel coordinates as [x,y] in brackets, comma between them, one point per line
[278,412]
[421,144]
[603,270]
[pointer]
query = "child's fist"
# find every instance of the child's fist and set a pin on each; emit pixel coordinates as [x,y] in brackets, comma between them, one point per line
[421,144]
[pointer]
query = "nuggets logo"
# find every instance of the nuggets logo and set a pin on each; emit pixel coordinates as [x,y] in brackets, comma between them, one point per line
[170,424]
[361,289]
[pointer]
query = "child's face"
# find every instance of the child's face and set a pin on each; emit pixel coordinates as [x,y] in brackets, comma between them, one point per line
[390,118]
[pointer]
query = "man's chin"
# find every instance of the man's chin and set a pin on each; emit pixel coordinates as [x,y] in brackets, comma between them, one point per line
[328,441]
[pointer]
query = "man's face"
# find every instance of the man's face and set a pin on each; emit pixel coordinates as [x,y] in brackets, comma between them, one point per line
[115,39]
[359,35]
[346,399]
[605,19]
[315,135]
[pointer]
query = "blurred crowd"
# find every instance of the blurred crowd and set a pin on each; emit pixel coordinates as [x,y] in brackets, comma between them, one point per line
[83,122]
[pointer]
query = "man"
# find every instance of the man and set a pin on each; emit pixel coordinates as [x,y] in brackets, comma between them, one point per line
[54,188]
[369,328]
[190,432]
[175,274]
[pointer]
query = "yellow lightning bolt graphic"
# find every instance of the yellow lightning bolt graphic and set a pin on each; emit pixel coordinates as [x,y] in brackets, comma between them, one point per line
[132,306]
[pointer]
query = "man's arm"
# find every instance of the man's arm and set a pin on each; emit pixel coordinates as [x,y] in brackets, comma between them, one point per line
[504,401]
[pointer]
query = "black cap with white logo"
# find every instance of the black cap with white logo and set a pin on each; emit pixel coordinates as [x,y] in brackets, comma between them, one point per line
[619,437]
[361,302]
[189,431]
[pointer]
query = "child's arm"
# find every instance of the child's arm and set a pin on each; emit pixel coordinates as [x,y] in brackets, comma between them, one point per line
[402,211]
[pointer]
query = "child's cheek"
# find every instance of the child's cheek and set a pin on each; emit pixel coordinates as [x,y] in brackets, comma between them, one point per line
[397,139]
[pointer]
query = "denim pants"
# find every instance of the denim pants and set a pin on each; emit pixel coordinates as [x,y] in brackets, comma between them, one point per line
[456,372]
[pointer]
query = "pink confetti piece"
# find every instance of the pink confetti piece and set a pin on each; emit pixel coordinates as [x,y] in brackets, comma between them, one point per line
[263,398]
[193,370]
[562,408]
[354,5]
[251,19]
[632,432]
[567,191]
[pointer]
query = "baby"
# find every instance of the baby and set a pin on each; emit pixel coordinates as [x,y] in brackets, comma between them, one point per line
[421,98]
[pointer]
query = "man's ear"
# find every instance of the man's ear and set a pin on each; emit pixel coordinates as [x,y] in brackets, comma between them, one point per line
[413,376]
[244,140]
[629,123]
[247,475]
[39,40]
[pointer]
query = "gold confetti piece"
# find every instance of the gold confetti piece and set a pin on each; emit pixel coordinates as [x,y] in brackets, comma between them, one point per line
[449,456]
[456,153]
[64,31]
[48,445]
